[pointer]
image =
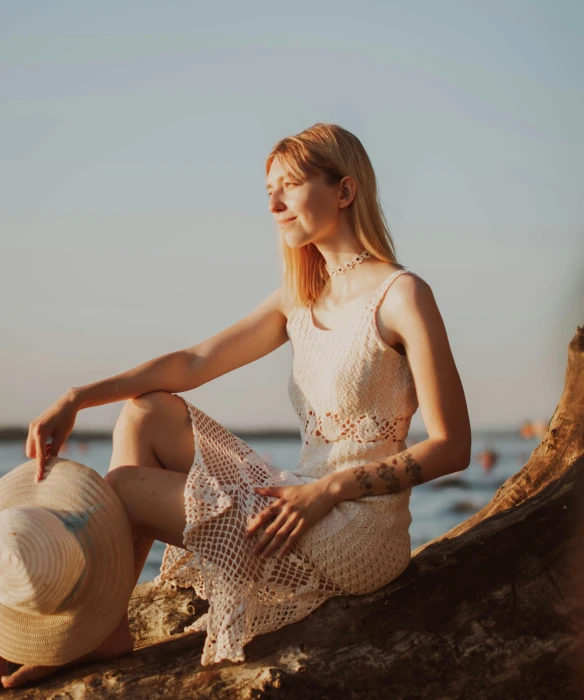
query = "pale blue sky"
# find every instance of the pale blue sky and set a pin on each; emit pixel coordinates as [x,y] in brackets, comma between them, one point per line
[133,208]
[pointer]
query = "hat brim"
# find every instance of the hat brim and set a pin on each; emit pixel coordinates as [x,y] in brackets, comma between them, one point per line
[102,600]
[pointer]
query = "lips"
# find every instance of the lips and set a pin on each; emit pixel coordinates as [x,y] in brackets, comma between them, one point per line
[285,221]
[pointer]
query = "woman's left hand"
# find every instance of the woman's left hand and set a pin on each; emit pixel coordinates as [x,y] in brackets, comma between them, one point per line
[295,509]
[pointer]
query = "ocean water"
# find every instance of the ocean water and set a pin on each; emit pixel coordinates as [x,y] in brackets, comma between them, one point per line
[436,506]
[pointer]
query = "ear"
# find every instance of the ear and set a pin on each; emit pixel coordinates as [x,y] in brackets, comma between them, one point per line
[348,191]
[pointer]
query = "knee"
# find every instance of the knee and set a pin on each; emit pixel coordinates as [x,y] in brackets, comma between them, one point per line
[150,402]
[117,478]
[141,408]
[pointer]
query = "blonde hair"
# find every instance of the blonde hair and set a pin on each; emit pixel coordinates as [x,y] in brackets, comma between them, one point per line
[335,152]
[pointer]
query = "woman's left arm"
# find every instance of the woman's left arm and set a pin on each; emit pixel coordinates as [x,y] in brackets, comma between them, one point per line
[411,311]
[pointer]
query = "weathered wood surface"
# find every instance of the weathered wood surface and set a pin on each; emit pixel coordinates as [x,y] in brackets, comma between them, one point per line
[488,610]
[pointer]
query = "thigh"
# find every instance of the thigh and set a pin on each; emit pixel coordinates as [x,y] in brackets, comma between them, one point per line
[154,501]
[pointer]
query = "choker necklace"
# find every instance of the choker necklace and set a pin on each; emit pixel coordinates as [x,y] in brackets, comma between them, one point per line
[339,269]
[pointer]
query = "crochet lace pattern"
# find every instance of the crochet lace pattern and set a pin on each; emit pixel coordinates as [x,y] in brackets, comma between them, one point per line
[354,397]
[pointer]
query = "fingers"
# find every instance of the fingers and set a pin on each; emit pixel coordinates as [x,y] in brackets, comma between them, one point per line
[40,449]
[280,537]
[29,447]
[55,445]
[269,490]
[266,515]
[284,529]
[270,532]
[295,534]
[258,521]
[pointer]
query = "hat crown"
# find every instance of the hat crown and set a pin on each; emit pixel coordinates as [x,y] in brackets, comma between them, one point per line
[41,559]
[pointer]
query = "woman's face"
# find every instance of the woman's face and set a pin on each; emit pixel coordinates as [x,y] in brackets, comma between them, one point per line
[310,203]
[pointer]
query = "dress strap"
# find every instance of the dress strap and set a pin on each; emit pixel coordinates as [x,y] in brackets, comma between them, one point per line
[385,285]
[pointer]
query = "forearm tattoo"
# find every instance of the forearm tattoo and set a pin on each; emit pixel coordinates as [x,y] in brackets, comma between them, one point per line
[389,477]
[364,481]
[413,469]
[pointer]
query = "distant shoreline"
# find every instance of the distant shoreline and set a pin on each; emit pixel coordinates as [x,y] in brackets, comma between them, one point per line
[14,434]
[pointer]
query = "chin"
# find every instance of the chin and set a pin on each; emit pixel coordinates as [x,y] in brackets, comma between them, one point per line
[296,241]
[295,244]
[292,242]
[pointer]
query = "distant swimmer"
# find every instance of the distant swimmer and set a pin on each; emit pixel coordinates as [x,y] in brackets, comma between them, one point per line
[488,459]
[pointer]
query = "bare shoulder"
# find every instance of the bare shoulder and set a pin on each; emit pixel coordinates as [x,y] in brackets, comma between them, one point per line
[279,300]
[409,297]
[409,289]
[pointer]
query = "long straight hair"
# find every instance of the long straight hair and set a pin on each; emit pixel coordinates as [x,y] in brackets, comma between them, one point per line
[335,152]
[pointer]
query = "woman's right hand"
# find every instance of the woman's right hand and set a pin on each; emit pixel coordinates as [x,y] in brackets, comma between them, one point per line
[57,423]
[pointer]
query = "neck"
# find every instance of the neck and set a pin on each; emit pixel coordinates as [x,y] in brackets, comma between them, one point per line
[338,243]
[341,252]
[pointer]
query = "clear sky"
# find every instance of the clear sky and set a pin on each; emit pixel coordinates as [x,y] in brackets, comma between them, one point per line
[134,218]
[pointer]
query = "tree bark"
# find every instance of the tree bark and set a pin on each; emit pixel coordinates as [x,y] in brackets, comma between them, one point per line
[494,608]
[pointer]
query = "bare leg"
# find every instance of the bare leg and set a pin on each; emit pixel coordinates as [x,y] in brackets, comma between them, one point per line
[153,432]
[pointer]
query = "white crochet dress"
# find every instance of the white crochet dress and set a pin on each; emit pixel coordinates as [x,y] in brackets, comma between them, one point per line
[355,397]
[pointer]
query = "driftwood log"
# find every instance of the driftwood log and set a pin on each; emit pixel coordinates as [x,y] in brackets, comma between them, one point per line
[494,608]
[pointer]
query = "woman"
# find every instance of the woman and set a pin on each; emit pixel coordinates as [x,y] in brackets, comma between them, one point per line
[268,546]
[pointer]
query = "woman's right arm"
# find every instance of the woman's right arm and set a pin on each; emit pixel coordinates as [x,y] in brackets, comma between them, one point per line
[257,334]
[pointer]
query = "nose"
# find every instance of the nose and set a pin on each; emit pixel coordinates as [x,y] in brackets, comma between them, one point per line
[275,203]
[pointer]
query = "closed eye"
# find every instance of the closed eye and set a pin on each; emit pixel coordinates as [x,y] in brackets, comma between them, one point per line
[286,183]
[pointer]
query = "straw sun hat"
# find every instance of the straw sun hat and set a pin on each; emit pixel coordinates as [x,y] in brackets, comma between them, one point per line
[66,562]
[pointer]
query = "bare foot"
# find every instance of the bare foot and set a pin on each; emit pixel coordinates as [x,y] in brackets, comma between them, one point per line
[3,666]
[119,643]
